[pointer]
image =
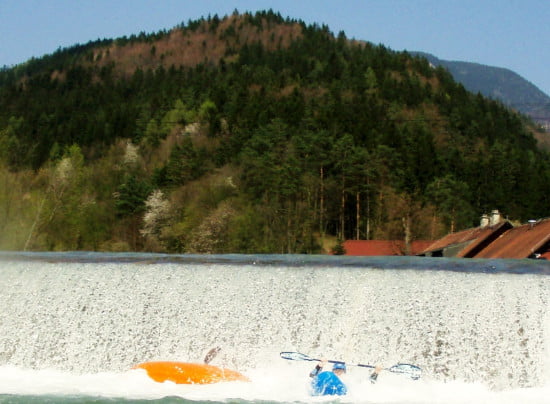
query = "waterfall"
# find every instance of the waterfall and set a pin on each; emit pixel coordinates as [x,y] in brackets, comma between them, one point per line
[85,316]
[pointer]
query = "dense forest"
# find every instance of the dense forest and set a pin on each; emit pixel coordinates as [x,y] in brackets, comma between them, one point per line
[252,133]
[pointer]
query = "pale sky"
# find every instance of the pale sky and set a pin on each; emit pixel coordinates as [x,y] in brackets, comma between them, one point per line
[513,34]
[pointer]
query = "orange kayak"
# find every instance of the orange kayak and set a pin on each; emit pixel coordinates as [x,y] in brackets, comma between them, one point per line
[190,373]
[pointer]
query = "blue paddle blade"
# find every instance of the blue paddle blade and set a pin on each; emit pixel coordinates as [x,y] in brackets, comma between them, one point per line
[296,356]
[413,371]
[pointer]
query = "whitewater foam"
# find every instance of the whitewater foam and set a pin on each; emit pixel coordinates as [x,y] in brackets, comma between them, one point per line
[77,328]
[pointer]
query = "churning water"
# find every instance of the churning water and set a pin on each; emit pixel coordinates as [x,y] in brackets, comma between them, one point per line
[72,326]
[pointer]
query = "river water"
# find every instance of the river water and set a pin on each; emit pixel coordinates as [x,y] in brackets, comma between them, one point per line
[72,326]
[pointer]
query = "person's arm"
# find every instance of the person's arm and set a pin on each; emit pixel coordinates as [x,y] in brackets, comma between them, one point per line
[318,368]
[374,374]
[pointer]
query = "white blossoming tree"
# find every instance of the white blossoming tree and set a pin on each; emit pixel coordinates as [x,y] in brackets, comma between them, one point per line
[157,212]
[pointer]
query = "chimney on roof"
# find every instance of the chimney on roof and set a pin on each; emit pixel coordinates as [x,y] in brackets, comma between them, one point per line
[532,223]
[484,220]
[495,217]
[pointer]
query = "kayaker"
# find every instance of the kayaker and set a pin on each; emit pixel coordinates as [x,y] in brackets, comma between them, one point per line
[328,383]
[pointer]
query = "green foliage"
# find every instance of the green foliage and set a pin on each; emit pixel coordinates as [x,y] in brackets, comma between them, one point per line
[246,230]
[179,115]
[339,249]
[451,197]
[185,163]
[268,167]
[11,148]
[131,195]
[153,133]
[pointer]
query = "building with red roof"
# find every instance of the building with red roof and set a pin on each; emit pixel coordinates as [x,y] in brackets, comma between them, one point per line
[496,238]
[531,240]
[466,243]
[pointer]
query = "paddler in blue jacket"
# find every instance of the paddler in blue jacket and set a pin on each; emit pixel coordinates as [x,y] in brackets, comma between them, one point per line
[328,383]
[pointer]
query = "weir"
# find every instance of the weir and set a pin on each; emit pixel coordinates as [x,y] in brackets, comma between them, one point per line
[86,316]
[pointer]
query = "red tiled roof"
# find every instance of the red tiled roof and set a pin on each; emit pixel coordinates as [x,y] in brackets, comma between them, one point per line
[480,242]
[471,238]
[382,247]
[519,242]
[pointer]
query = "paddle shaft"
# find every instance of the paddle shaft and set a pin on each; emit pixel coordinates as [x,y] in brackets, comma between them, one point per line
[296,356]
[412,371]
[361,365]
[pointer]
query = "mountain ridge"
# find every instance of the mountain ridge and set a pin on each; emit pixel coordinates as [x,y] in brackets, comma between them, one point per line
[501,84]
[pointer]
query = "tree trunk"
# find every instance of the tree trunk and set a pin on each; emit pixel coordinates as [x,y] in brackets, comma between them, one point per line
[452,220]
[367,229]
[36,219]
[407,230]
[342,215]
[357,215]
[322,206]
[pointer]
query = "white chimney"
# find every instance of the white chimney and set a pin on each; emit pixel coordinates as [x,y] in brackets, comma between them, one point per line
[484,220]
[495,217]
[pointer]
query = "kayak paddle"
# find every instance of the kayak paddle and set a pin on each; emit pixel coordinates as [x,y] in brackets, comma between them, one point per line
[413,371]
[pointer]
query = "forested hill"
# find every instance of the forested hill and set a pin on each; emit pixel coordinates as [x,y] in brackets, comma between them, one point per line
[252,133]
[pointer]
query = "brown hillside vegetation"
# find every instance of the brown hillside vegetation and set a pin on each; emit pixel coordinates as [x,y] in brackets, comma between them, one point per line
[207,44]
[543,139]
